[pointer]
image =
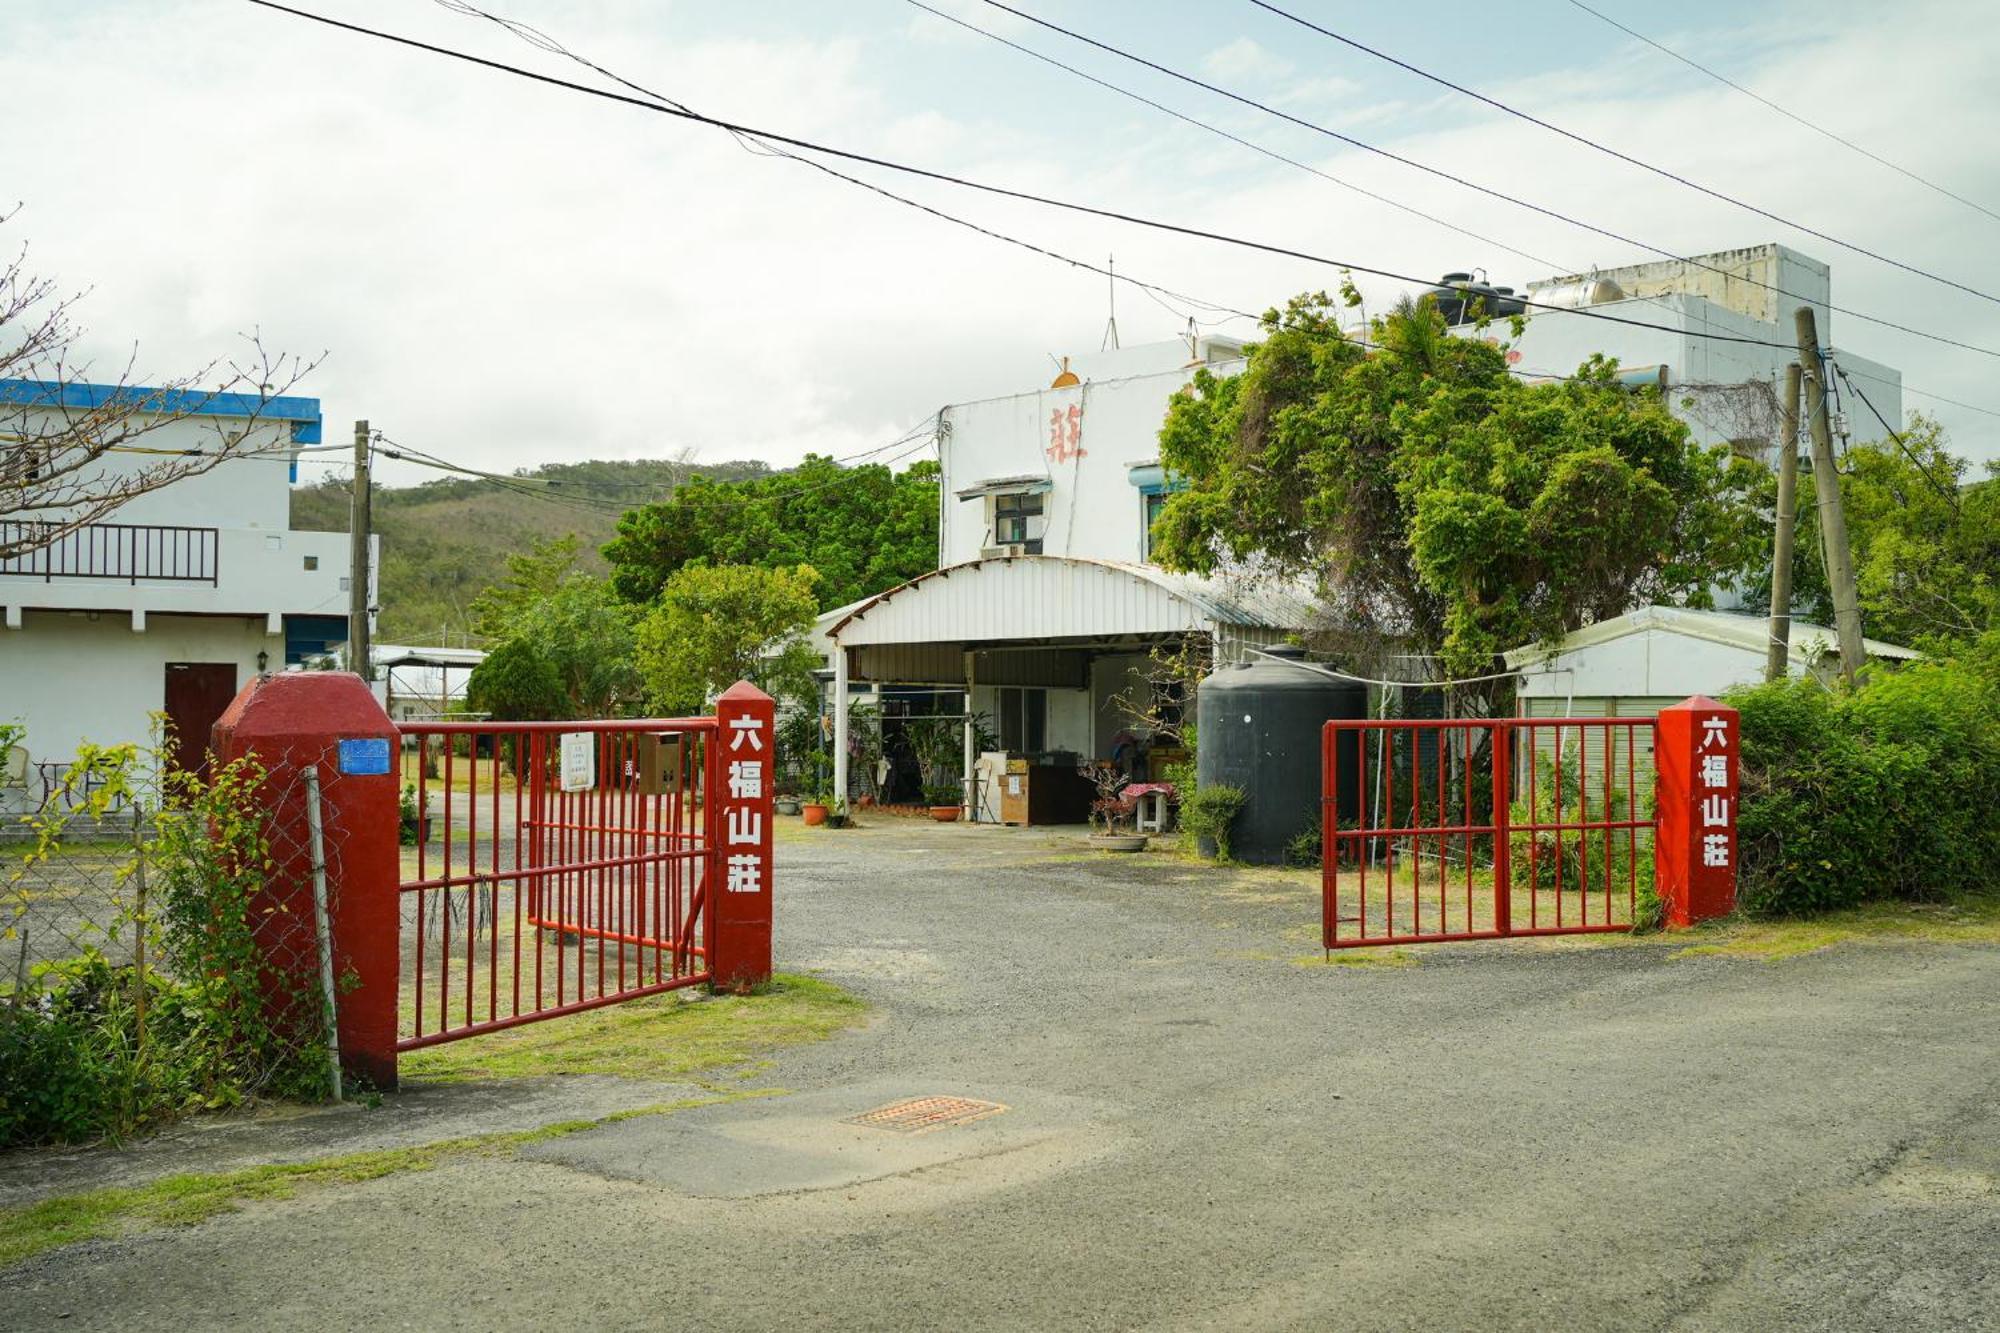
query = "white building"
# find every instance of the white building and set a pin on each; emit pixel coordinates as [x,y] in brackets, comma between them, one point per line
[1727,391]
[418,684]
[1638,663]
[172,606]
[1044,607]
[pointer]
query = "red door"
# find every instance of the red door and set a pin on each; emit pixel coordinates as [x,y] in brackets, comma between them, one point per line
[197,692]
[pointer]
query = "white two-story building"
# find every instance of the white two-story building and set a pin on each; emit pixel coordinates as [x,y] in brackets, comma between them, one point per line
[1045,605]
[175,600]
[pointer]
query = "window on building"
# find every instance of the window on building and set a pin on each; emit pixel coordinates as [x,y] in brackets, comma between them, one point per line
[1149,507]
[1017,520]
[1024,720]
[312,562]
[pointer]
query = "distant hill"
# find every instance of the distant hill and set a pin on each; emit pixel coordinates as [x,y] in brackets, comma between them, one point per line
[444,542]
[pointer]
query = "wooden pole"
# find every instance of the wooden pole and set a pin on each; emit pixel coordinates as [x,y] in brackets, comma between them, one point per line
[1778,653]
[1826,489]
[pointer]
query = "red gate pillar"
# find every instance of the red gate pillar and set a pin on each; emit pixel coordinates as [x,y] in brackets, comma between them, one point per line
[329,720]
[1695,796]
[740,776]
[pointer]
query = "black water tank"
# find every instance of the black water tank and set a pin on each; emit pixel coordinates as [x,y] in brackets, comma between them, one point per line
[1258,727]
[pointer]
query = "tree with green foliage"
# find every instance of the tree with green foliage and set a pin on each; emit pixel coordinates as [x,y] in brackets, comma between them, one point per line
[716,625]
[567,653]
[1926,544]
[864,529]
[531,576]
[1438,502]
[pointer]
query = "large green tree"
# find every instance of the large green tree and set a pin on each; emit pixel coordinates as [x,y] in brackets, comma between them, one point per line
[564,653]
[1926,543]
[864,529]
[1441,505]
[716,625]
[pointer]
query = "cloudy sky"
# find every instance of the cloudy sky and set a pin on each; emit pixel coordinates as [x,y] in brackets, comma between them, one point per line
[507,274]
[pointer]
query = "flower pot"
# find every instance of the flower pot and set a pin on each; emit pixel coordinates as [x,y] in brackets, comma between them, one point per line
[815,814]
[1119,842]
[945,814]
[786,805]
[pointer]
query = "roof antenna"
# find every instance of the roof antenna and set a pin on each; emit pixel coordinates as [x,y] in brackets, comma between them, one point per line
[1111,285]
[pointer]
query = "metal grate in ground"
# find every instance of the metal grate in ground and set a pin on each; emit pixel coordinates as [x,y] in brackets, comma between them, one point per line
[919,1115]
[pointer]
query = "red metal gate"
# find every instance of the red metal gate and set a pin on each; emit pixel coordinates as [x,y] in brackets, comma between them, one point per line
[1475,829]
[560,866]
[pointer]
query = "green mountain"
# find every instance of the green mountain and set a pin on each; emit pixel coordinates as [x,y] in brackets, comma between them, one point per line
[446,541]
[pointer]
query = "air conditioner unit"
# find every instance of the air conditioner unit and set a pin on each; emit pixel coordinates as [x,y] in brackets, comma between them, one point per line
[1008,550]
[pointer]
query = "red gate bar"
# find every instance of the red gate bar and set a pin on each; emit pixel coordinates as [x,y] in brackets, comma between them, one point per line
[1444,790]
[567,869]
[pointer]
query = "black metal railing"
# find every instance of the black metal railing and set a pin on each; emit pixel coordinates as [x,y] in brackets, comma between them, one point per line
[134,552]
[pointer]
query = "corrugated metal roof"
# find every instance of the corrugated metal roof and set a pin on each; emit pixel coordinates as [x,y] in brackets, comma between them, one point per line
[1726,627]
[1054,597]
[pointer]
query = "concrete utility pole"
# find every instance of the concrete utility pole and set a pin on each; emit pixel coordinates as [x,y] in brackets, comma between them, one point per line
[1826,487]
[1778,653]
[357,560]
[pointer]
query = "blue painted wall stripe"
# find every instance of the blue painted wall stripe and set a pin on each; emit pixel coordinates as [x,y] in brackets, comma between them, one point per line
[302,413]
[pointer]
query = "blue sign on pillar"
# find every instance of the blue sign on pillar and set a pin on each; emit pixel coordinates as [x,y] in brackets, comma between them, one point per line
[365,756]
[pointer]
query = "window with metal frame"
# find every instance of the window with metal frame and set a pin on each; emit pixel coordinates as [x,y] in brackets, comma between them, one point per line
[1017,521]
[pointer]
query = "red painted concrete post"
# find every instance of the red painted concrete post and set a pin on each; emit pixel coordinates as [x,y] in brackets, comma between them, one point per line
[740,774]
[330,720]
[1695,754]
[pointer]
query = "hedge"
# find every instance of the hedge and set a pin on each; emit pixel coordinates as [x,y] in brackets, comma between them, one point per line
[1887,792]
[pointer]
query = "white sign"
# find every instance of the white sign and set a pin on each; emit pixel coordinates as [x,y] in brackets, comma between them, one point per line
[579,760]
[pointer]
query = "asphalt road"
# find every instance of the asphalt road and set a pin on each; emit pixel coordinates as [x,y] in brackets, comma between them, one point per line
[1201,1133]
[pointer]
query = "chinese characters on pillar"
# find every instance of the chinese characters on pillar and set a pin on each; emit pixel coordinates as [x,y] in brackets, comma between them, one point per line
[1715,782]
[743,829]
[1066,433]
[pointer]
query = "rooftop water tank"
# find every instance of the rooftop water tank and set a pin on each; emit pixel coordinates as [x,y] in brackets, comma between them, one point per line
[1258,728]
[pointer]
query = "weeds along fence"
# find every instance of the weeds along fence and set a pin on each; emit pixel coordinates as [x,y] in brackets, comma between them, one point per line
[149,962]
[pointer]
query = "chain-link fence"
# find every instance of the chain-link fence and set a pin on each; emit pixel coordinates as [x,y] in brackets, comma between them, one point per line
[163,942]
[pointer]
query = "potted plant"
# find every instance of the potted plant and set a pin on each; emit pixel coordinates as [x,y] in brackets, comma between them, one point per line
[787,803]
[413,824]
[1113,813]
[943,799]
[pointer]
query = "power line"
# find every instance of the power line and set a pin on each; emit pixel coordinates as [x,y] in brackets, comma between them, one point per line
[1624,157]
[759,147]
[1466,183]
[1786,113]
[1223,238]
[1950,493]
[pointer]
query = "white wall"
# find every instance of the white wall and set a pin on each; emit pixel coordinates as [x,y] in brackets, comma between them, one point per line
[239,493]
[1093,510]
[1653,663]
[72,679]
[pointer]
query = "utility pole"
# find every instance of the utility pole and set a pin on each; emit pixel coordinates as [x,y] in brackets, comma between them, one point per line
[1826,487]
[357,560]
[1778,652]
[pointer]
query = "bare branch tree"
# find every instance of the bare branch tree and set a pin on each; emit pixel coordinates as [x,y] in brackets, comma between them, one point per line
[69,448]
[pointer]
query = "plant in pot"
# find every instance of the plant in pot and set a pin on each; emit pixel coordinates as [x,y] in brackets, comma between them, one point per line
[818,800]
[943,799]
[1113,813]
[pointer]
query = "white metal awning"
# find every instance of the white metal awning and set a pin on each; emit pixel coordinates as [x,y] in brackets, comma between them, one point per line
[1028,485]
[1042,598]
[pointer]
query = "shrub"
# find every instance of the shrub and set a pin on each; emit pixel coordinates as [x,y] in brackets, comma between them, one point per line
[1883,793]
[1307,845]
[1210,812]
[1574,858]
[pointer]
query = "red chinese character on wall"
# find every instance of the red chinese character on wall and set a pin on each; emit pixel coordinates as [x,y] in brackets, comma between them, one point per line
[1066,433]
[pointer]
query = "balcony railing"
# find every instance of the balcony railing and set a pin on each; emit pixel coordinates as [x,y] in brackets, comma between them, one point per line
[134,552]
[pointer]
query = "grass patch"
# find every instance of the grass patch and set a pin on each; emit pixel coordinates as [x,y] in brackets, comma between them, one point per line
[1970,920]
[27,1230]
[678,1035]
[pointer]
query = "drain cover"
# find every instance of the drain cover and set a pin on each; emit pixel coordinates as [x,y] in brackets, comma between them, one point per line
[916,1115]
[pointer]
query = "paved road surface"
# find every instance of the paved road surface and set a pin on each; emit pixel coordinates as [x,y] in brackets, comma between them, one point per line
[1202,1133]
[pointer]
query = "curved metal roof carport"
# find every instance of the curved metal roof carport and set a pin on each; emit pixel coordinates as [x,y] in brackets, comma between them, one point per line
[1037,621]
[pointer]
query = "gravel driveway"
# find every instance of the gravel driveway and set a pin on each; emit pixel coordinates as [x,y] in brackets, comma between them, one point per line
[1206,1128]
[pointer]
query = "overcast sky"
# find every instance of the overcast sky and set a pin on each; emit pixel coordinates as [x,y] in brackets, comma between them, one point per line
[507,274]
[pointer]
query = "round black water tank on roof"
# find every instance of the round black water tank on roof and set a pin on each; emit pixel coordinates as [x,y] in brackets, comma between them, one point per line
[1258,728]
